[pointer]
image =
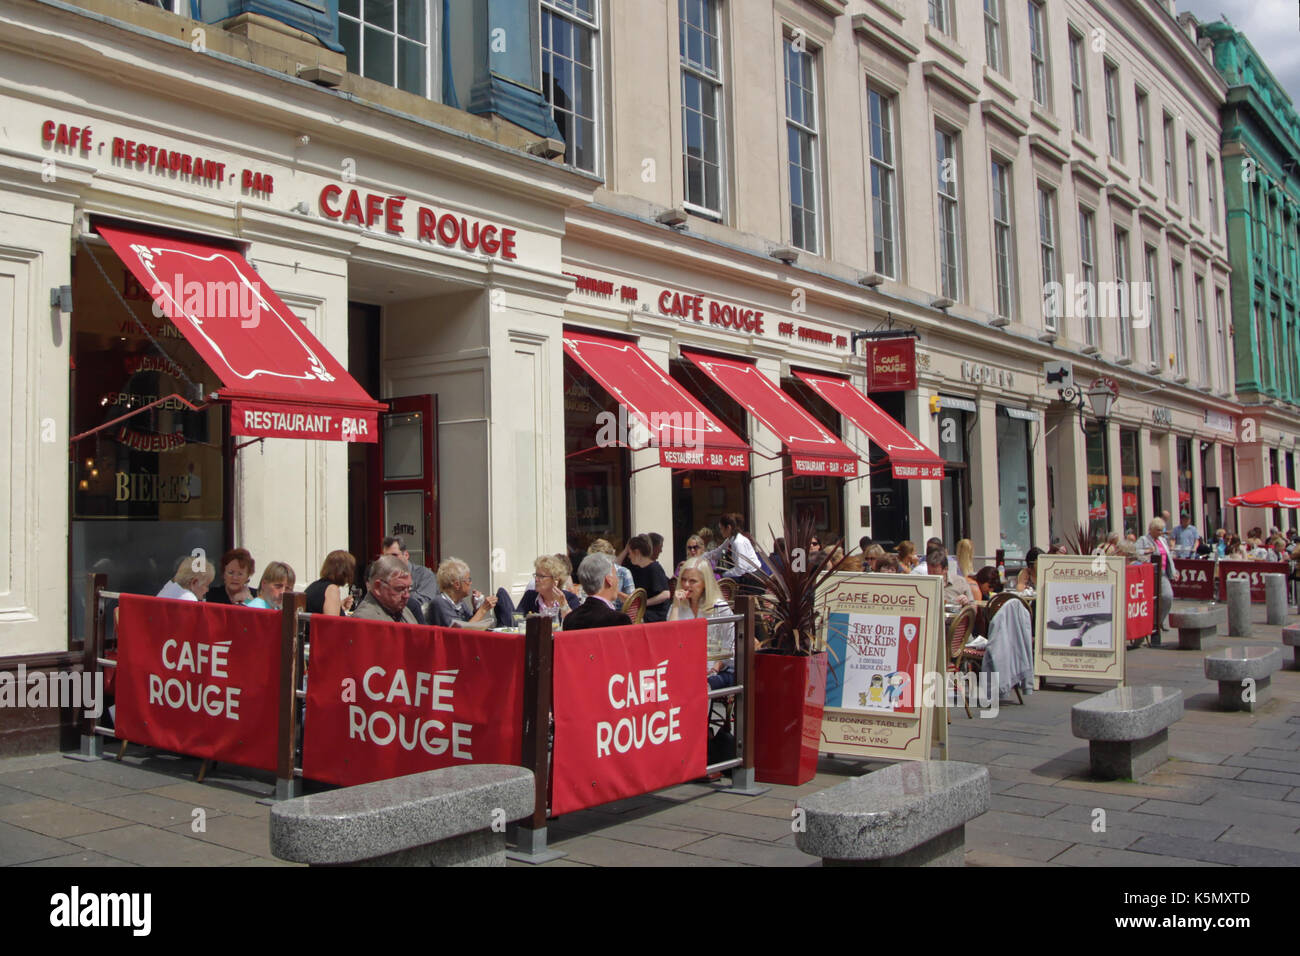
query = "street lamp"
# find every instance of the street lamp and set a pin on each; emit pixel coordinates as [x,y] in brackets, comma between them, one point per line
[1101,395]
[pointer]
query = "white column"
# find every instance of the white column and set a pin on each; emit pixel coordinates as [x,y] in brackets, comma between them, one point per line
[1114,475]
[1038,479]
[921,494]
[1145,467]
[986,519]
[767,475]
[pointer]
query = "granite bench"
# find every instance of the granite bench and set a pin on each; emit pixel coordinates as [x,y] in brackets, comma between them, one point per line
[1127,729]
[450,817]
[1233,665]
[909,814]
[1291,638]
[1195,624]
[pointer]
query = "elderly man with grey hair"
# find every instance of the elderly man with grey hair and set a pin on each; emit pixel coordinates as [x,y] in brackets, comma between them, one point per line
[598,578]
[389,587]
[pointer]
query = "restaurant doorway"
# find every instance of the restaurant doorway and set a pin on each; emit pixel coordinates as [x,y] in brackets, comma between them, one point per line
[406,478]
[889,495]
[820,497]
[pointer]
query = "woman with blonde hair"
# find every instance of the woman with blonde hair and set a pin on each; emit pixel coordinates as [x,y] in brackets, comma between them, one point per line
[549,598]
[277,579]
[698,595]
[191,581]
[966,557]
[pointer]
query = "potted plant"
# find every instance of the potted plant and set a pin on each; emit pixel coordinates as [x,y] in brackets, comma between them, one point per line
[790,667]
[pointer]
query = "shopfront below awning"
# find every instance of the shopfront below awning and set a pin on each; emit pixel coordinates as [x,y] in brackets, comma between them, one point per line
[907,456]
[812,448]
[280,381]
[686,434]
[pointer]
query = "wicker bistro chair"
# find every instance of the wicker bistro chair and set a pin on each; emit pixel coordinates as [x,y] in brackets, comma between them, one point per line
[972,658]
[728,588]
[959,631]
[635,606]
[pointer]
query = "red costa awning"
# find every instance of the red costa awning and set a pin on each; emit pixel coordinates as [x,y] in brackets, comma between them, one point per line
[686,435]
[907,456]
[280,381]
[813,449]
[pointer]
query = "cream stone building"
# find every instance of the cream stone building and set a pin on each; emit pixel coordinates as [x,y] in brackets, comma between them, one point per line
[507,220]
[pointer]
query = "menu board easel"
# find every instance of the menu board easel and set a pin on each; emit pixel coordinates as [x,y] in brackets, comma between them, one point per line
[885,680]
[1080,619]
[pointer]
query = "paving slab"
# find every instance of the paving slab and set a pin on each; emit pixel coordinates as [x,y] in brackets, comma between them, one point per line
[151,809]
[1105,856]
[1218,851]
[599,851]
[57,819]
[1255,836]
[749,852]
[246,834]
[1011,843]
[1064,795]
[127,773]
[211,797]
[80,859]
[58,784]
[747,825]
[1009,803]
[23,846]
[149,846]
[1139,823]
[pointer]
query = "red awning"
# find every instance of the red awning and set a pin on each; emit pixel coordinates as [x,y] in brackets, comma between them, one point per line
[686,435]
[280,381]
[908,457]
[813,449]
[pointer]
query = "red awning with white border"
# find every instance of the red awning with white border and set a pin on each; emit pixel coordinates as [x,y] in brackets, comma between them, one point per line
[686,434]
[813,449]
[280,381]
[907,457]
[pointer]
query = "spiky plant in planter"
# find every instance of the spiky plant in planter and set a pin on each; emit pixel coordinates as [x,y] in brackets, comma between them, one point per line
[1083,539]
[790,604]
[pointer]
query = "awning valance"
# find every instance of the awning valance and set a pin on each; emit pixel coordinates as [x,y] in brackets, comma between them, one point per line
[280,381]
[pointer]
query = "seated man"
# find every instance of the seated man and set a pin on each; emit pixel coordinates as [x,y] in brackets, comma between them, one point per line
[936,562]
[599,580]
[455,586]
[389,586]
[424,586]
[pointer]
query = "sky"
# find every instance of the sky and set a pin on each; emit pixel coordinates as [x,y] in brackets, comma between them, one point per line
[1272,26]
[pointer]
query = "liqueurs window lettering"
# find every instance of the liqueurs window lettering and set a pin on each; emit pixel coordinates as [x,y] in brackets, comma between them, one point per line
[701,64]
[802,145]
[568,76]
[884,212]
[389,41]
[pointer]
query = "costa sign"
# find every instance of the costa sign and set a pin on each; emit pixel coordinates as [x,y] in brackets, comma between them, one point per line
[444,228]
[1252,572]
[1193,580]
[631,711]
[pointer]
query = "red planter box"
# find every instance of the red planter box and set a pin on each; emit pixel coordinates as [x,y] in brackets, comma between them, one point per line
[789,696]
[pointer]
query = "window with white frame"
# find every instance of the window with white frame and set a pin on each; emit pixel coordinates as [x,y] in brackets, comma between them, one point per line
[1088,269]
[1047,254]
[1039,74]
[1202,332]
[701,64]
[1171,174]
[1155,322]
[1003,247]
[1212,191]
[941,16]
[569,45]
[1144,135]
[884,180]
[993,35]
[1114,126]
[1193,185]
[391,42]
[1221,331]
[945,149]
[1180,333]
[1078,84]
[1122,294]
[802,146]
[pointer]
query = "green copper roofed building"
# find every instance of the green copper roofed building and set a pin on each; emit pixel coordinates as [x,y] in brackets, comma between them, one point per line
[1261,156]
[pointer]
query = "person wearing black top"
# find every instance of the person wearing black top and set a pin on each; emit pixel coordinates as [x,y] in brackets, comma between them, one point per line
[648,574]
[236,570]
[599,580]
[331,593]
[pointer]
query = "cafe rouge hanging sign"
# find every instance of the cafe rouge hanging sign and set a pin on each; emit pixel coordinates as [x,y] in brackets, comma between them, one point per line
[891,365]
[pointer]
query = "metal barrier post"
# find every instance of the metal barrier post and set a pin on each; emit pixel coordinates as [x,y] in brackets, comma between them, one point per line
[285,785]
[92,745]
[742,777]
[530,836]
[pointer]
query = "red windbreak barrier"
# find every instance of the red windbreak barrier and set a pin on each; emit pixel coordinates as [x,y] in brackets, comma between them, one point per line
[1252,571]
[631,711]
[199,679]
[385,700]
[1193,580]
[1141,601]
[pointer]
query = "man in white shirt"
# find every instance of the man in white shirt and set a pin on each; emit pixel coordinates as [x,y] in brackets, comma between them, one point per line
[930,545]
[1186,538]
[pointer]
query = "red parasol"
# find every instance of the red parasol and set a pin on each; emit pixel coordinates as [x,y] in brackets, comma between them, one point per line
[1274,496]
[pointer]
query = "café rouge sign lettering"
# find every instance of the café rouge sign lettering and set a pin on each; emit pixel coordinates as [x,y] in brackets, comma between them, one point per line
[430,225]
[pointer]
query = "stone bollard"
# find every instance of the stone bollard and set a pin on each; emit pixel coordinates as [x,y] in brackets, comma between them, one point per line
[1275,598]
[1239,624]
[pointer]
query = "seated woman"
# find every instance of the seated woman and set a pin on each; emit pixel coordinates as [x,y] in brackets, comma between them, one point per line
[189,583]
[1028,577]
[698,596]
[236,571]
[625,585]
[455,588]
[986,579]
[906,552]
[549,598]
[276,580]
[694,549]
[331,593]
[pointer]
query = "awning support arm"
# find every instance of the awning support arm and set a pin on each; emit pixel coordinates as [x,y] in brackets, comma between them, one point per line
[143,408]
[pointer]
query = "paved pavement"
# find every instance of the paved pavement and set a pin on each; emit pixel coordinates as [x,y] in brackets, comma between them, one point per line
[1229,796]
